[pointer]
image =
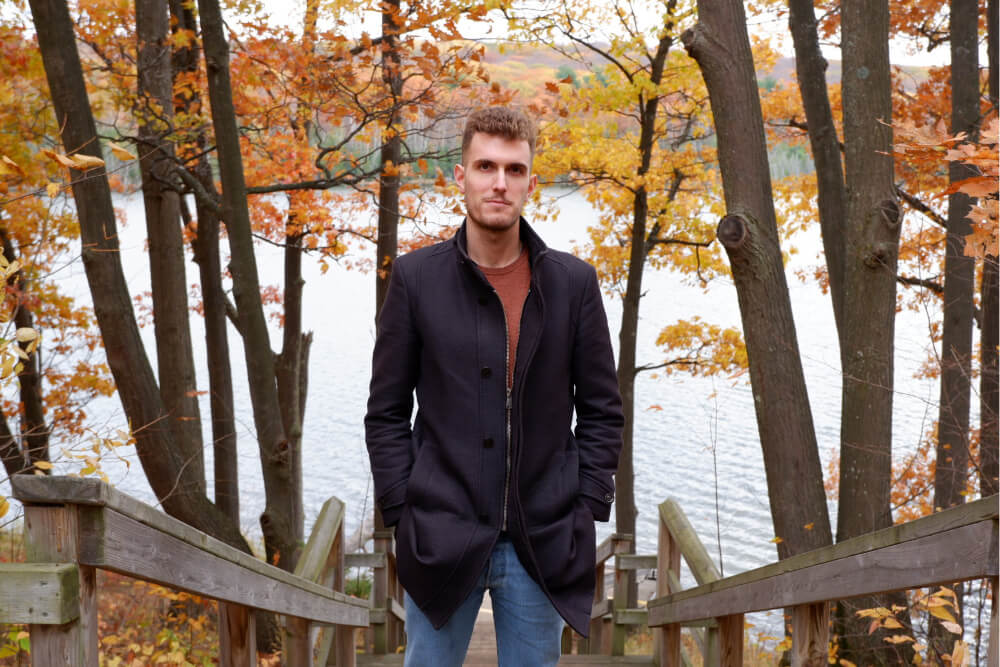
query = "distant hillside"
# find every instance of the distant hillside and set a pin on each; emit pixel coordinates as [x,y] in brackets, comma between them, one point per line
[528,68]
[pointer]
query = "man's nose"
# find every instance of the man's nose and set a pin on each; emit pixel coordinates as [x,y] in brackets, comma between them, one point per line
[500,182]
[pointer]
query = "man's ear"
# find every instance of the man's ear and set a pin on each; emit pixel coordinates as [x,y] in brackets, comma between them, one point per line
[532,182]
[460,177]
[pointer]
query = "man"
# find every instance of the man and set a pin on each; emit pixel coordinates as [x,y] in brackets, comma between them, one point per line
[489,488]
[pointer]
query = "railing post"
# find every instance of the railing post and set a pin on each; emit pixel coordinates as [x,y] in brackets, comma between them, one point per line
[810,634]
[52,535]
[592,645]
[667,647]
[993,652]
[731,636]
[621,544]
[380,592]
[238,636]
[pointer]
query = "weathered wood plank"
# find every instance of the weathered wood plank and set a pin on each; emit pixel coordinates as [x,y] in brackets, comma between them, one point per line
[731,639]
[371,560]
[635,562]
[631,616]
[57,490]
[119,543]
[993,651]
[602,608]
[969,513]
[397,610]
[237,636]
[810,635]
[606,549]
[701,564]
[622,545]
[312,563]
[914,563]
[667,644]
[41,593]
[52,535]
[296,647]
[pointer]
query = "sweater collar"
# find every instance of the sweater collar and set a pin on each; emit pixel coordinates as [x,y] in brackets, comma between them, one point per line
[532,241]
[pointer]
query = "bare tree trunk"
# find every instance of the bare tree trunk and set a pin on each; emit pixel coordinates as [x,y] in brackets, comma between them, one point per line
[952,469]
[388,192]
[206,254]
[872,245]
[10,451]
[292,370]
[154,116]
[34,431]
[166,468]
[720,45]
[277,521]
[810,67]
[989,378]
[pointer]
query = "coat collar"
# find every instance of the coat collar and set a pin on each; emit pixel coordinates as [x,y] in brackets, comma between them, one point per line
[532,241]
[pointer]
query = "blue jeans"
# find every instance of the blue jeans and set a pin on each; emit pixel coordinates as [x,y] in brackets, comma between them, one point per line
[528,627]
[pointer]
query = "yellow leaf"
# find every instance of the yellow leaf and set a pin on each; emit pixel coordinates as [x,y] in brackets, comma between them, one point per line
[899,639]
[61,159]
[777,540]
[953,628]
[121,153]
[43,465]
[52,189]
[25,334]
[892,623]
[8,166]
[941,613]
[846,663]
[809,526]
[4,506]
[84,162]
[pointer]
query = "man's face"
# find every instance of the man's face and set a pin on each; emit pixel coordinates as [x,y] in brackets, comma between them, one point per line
[496,179]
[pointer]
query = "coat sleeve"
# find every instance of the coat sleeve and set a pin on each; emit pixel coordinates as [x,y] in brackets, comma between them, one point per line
[395,370]
[598,403]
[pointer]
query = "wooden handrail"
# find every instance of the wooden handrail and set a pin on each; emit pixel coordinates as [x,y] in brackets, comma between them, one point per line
[910,555]
[90,525]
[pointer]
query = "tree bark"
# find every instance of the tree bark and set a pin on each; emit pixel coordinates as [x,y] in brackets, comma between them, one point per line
[34,431]
[952,469]
[206,255]
[165,466]
[391,153]
[989,377]
[720,45]
[277,522]
[872,245]
[648,110]
[810,67]
[292,370]
[154,116]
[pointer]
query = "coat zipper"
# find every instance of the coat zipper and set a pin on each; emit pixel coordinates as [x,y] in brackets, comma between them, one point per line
[509,384]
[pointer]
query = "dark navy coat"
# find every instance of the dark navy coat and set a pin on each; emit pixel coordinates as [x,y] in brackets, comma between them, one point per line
[442,480]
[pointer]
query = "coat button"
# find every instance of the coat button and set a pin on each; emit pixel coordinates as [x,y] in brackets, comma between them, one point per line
[486,372]
[608,497]
[488,443]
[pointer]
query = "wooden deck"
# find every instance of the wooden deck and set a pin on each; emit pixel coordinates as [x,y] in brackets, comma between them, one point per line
[483,649]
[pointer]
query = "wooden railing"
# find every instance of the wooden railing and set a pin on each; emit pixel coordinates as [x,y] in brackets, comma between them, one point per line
[75,526]
[387,616]
[957,544]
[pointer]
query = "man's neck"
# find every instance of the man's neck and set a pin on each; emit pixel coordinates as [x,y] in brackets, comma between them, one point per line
[493,249]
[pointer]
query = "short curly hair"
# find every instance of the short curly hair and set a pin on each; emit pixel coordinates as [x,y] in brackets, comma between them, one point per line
[503,122]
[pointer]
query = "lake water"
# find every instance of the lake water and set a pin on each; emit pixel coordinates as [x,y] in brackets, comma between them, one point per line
[673,446]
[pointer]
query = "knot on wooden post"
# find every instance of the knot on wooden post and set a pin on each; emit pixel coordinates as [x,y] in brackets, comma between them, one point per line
[732,231]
